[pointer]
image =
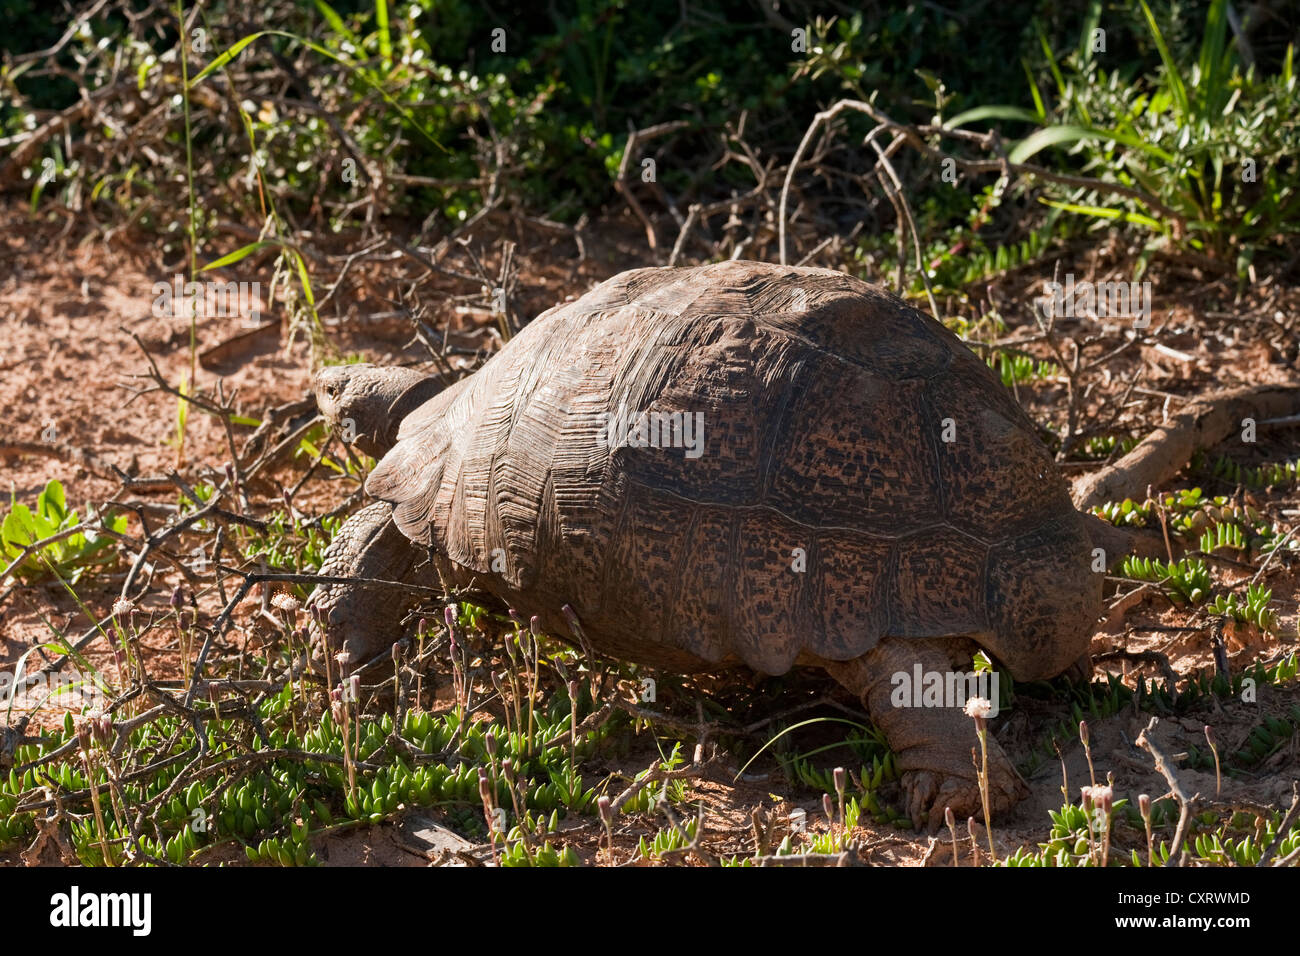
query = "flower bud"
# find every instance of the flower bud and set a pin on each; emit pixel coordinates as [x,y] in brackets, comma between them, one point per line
[449,616]
[535,625]
[1083,732]
[1144,806]
[828,806]
[83,727]
[604,805]
[841,780]
[286,602]
[1209,736]
[104,729]
[950,818]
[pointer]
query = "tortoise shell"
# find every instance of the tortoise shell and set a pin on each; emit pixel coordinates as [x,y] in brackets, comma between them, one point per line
[837,467]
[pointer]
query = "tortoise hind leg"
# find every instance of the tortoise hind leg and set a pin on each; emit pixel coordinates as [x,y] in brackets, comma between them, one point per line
[933,744]
[365,620]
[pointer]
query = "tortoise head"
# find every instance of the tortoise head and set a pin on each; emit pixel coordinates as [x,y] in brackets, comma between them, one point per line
[364,404]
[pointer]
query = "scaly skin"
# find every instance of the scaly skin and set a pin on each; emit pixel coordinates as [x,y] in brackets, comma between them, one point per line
[933,744]
[361,618]
[367,404]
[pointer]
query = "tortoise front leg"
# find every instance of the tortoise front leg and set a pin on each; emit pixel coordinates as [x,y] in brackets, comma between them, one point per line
[933,744]
[363,621]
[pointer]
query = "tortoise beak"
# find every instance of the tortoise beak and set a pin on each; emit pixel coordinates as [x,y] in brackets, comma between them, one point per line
[327,385]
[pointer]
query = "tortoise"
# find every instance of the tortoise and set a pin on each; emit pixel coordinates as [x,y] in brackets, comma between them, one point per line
[734,464]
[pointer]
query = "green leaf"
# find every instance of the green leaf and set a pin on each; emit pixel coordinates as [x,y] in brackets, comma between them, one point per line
[231,52]
[238,47]
[18,528]
[51,503]
[1212,91]
[1174,80]
[336,22]
[385,36]
[1039,108]
[304,278]
[1105,212]
[1067,134]
[997,112]
[241,253]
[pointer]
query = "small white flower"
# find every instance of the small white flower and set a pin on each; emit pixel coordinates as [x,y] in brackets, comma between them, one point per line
[285,602]
[122,607]
[978,707]
[1102,796]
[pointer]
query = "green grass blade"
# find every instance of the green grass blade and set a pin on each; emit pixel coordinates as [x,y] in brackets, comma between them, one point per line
[1066,134]
[1212,91]
[1034,91]
[1107,212]
[997,112]
[238,47]
[802,723]
[241,253]
[1174,80]
[231,52]
[336,23]
[385,36]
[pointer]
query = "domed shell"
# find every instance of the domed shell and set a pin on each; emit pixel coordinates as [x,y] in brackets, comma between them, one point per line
[754,463]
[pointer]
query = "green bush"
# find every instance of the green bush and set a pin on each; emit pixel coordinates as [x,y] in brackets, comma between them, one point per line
[1212,145]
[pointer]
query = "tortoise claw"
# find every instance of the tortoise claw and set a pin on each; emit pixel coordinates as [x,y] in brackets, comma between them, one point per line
[928,792]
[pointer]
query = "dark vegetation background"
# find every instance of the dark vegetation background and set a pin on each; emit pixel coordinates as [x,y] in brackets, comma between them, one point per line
[553,112]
